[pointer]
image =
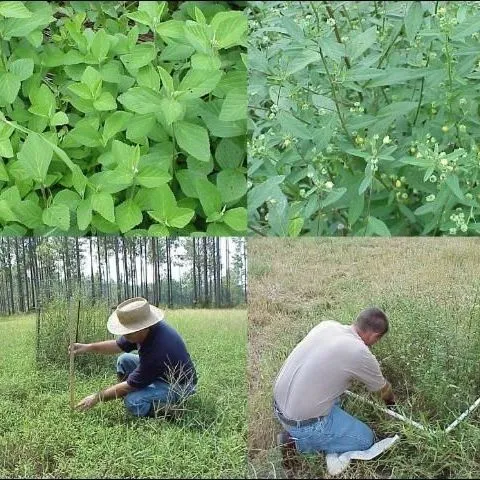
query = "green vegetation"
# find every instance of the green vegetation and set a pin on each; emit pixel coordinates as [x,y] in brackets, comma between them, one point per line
[41,438]
[365,118]
[429,290]
[122,118]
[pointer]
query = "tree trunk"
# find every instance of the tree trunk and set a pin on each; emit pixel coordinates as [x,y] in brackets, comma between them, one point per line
[117,270]
[92,276]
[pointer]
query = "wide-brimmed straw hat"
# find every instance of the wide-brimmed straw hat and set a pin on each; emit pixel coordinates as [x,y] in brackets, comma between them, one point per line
[133,315]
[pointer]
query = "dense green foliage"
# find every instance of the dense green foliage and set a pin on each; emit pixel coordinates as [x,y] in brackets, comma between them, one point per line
[122,117]
[365,118]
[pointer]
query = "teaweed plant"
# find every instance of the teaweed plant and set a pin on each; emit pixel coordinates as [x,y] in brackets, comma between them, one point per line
[123,118]
[364,118]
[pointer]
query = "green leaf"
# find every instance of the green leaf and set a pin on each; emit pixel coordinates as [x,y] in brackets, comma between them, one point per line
[333,196]
[230,28]
[22,68]
[14,10]
[104,205]
[57,216]
[171,29]
[6,150]
[236,218]
[294,126]
[43,102]
[172,110]
[208,195]
[193,139]
[141,55]
[60,118]
[128,215]
[180,217]
[151,176]
[361,42]
[84,213]
[454,185]
[413,19]
[28,213]
[35,156]
[355,209]
[377,227]
[141,100]
[140,17]
[9,86]
[93,80]
[157,230]
[232,185]
[234,106]
[21,27]
[105,102]
[295,226]
[231,152]
[164,203]
[115,123]
[81,90]
[100,45]
[198,83]
[6,213]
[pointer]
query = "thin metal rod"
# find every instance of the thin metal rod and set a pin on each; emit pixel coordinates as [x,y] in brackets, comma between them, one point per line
[387,410]
[467,412]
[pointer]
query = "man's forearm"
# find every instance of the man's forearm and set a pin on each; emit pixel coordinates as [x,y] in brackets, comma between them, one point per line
[106,347]
[116,391]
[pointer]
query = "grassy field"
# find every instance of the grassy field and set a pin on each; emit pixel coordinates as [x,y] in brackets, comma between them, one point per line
[40,437]
[430,291]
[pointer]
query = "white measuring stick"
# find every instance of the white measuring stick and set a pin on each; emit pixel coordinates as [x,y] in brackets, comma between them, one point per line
[469,410]
[387,410]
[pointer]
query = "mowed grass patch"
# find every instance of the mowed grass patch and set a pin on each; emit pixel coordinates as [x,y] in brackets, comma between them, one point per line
[428,288]
[42,438]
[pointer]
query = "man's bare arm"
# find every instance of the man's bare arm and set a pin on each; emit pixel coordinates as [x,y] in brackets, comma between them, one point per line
[108,347]
[111,393]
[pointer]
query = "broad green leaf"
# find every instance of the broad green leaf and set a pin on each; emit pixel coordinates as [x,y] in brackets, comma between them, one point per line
[114,123]
[208,195]
[413,19]
[295,226]
[22,68]
[236,218]
[186,179]
[100,45]
[294,126]
[199,36]
[164,203]
[86,135]
[198,83]
[35,156]
[152,177]
[230,28]
[67,197]
[377,227]
[3,172]
[193,139]
[141,100]
[231,152]
[157,230]
[171,29]
[104,205]
[59,118]
[333,196]
[262,192]
[148,77]
[140,125]
[81,90]
[234,106]
[28,213]
[180,217]
[57,216]
[6,213]
[21,27]
[93,80]
[105,102]
[6,150]
[141,55]
[84,214]
[300,61]
[200,61]
[128,215]
[43,102]
[127,156]
[355,210]
[14,9]
[167,81]
[172,110]
[9,86]
[361,42]
[140,17]
[232,185]
[454,185]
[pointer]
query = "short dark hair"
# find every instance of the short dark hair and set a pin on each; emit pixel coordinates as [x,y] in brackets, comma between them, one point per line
[372,319]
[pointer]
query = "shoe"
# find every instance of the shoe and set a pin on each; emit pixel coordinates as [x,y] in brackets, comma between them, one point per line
[288,450]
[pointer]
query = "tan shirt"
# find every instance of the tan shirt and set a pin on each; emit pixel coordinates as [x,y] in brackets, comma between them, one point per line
[321,367]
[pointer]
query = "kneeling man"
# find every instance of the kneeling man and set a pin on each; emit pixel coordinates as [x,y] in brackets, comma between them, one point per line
[319,370]
[160,375]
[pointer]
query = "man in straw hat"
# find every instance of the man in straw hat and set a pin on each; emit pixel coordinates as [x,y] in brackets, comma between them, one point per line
[160,375]
[314,376]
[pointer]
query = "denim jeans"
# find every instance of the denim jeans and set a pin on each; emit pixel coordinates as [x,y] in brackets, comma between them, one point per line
[337,432]
[159,393]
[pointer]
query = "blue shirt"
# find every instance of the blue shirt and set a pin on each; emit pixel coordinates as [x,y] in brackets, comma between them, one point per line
[163,356]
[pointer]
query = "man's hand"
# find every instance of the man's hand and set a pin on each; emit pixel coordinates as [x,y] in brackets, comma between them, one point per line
[87,403]
[79,348]
[387,395]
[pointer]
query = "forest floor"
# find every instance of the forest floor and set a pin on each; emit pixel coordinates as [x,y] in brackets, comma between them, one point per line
[430,291]
[40,437]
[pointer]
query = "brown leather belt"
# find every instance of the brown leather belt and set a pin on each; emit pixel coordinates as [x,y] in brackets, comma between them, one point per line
[295,423]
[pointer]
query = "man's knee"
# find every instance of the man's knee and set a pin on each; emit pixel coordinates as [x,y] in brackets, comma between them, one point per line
[126,363]
[137,405]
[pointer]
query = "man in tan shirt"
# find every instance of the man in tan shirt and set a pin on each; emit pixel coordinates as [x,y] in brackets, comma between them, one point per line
[318,370]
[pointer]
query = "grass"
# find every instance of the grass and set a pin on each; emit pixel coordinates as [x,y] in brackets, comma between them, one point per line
[428,288]
[41,438]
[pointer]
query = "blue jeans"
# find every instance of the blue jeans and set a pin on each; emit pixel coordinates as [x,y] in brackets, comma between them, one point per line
[337,432]
[159,393]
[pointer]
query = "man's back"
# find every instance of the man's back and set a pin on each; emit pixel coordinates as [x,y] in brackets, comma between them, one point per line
[320,369]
